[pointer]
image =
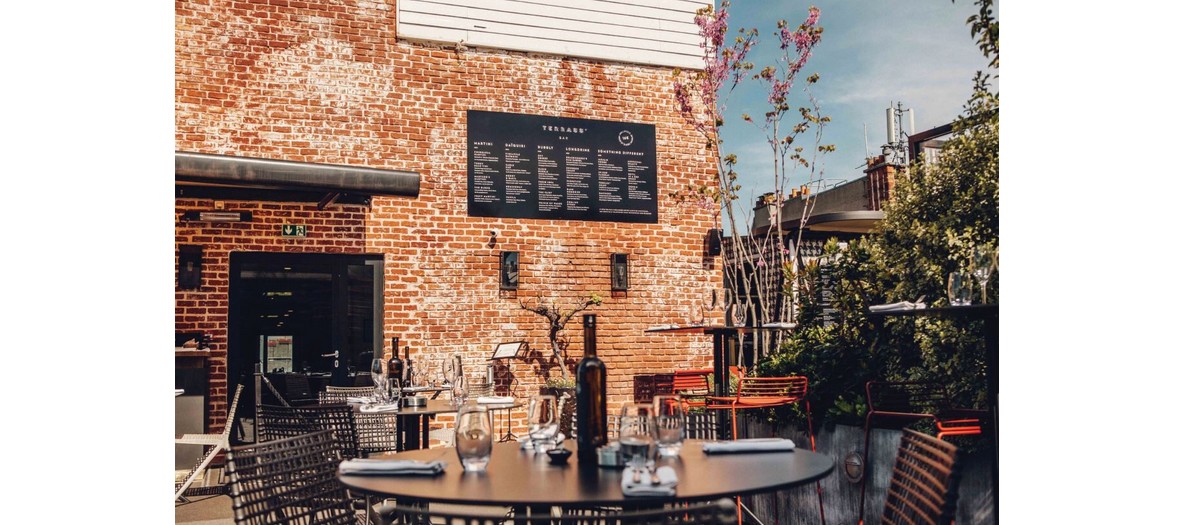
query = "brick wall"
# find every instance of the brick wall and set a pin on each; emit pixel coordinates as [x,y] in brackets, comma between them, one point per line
[324,82]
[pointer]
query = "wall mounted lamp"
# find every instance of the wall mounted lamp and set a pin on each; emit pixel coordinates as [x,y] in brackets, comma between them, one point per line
[217,216]
[619,274]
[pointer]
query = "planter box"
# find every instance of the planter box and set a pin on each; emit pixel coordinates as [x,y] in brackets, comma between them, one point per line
[842,497]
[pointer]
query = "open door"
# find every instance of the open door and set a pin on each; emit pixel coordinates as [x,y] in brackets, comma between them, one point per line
[315,315]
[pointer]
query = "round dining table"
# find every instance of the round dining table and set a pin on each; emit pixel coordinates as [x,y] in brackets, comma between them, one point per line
[518,477]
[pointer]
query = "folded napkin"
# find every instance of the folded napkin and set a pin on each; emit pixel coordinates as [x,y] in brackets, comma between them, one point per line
[359,400]
[379,408]
[667,486]
[749,445]
[391,467]
[495,400]
[904,305]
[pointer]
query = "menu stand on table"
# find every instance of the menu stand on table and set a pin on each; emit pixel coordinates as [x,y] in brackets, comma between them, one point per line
[505,352]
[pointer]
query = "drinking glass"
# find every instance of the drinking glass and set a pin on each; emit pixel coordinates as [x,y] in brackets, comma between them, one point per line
[473,437]
[543,423]
[637,441]
[958,289]
[670,411]
[711,299]
[983,261]
[377,368]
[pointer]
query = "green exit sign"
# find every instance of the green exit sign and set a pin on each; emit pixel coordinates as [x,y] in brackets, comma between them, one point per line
[294,230]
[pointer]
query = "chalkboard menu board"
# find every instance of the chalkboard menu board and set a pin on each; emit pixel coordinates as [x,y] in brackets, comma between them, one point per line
[535,167]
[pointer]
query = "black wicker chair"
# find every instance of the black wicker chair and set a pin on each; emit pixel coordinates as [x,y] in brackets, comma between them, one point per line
[289,481]
[719,512]
[700,424]
[277,422]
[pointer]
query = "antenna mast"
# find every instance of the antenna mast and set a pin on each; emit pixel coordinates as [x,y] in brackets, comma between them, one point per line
[896,148]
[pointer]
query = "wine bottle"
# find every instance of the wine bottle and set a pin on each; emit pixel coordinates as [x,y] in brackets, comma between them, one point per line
[590,390]
[396,366]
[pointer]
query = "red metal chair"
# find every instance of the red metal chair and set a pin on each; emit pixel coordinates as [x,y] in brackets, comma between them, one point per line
[768,392]
[692,385]
[899,404]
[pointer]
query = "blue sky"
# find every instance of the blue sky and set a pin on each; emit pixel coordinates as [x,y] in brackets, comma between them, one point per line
[874,53]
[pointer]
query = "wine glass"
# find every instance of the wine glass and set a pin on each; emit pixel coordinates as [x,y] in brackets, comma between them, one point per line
[737,312]
[711,300]
[543,424]
[983,260]
[377,368]
[636,440]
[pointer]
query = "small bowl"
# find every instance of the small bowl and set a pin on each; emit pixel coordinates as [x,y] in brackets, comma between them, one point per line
[558,456]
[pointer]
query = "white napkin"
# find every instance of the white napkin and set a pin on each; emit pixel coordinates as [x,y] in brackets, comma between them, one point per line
[495,400]
[359,400]
[379,408]
[749,445]
[390,467]
[904,305]
[667,486]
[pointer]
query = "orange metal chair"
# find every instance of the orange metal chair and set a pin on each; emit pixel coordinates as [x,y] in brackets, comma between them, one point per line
[692,385]
[899,404]
[767,392]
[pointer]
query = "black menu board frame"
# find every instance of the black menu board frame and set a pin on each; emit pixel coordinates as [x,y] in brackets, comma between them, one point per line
[537,167]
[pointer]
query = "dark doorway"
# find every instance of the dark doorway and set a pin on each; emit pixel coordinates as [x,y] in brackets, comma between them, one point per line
[313,315]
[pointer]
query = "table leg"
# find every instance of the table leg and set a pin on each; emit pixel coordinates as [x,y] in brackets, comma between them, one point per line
[720,377]
[407,427]
[992,343]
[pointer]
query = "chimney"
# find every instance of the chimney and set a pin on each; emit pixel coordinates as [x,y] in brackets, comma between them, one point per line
[881,177]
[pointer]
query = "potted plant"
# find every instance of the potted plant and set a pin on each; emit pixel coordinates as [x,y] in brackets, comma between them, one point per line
[558,317]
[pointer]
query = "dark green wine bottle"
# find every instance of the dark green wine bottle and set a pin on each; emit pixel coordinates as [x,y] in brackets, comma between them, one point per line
[590,390]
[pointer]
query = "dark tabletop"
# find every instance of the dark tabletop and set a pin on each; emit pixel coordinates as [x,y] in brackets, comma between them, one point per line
[439,406]
[519,477]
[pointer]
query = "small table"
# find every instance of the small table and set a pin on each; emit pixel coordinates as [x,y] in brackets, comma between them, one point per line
[413,423]
[521,478]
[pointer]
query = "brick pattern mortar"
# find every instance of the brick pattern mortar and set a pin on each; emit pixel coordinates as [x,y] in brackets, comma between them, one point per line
[328,82]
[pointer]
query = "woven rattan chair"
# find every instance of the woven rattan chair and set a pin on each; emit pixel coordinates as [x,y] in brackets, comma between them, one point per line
[896,404]
[213,443]
[720,512]
[700,424]
[375,432]
[278,422]
[289,481]
[924,487]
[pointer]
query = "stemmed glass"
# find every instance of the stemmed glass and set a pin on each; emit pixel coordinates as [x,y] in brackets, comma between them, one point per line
[543,424]
[711,301]
[983,260]
[377,368]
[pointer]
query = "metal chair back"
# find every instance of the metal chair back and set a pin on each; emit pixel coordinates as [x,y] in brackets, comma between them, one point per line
[924,487]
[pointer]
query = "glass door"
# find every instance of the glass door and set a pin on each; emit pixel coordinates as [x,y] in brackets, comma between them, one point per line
[316,316]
